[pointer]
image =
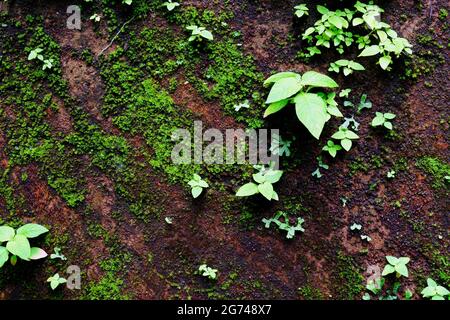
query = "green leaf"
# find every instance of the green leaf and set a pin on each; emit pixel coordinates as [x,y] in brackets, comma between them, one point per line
[438,298]
[32,230]
[392,260]
[431,283]
[275,107]
[404,260]
[196,192]
[428,292]
[370,51]
[346,144]
[351,135]
[207,35]
[385,61]
[259,177]
[248,189]
[388,125]
[281,75]
[377,121]
[266,189]
[312,78]
[37,253]
[402,269]
[336,21]
[322,9]
[283,89]
[442,291]
[4,255]
[274,176]
[6,233]
[20,247]
[334,111]
[389,116]
[388,269]
[312,113]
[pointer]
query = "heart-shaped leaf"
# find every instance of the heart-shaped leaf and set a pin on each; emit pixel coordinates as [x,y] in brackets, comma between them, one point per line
[31,230]
[311,111]
[6,233]
[20,247]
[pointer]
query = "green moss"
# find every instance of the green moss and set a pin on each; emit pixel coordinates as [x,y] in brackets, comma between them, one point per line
[437,169]
[348,281]
[358,165]
[310,293]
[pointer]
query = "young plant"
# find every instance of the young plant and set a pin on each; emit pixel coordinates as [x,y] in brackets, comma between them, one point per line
[197,185]
[434,291]
[344,93]
[280,147]
[345,136]
[281,219]
[55,281]
[208,272]
[348,66]
[168,220]
[36,54]
[264,179]
[321,165]
[199,33]
[245,104]
[170,5]
[57,254]
[313,110]
[17,243]
[332,148]
[301,10]
[95,17]
[391,174]
[382,119]
[397,266]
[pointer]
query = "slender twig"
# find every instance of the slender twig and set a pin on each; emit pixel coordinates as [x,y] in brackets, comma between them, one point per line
[114,38]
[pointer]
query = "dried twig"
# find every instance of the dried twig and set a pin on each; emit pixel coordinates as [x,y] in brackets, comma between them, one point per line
[114,38]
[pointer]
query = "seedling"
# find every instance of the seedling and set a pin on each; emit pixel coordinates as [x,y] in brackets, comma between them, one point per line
[264,184]
[168,220]
[344,93]
[313,109]
[348,66]
[199,33]
[301,10]
[128,2]
[345,136]
[197,185]
[434,291]
[57,254]
[95,17]
[55,281]
[284,224]
[17,243]
[208,272]
[365,237]
[364,103]
[355,226]
[382,119]
[321,165]
[170,5]
[391,174]
[351,122]
[244,104]
[332,148]
[344,201]
[280,147]
[36,54]
[397,266]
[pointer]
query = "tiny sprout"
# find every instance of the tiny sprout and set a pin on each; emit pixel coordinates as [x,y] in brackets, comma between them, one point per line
[381,119]
[344,93]
[208,272]
[170,5]
[301,10]
[391,174]
[197,185]
[57,254]
[396,265]
[168,220]
[346,136]
[55,281]
[434,291]
[199,32]
[95,17]
[332,148]
[245,104]
[355,226]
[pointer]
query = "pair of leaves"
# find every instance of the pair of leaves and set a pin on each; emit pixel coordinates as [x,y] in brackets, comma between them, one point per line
[381,119]
[332,148]
[346,136]
[397,265]
[170,5]
[208,272]
[264,185]
[55,281]
[348,66]
[197,185]
[200,32]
